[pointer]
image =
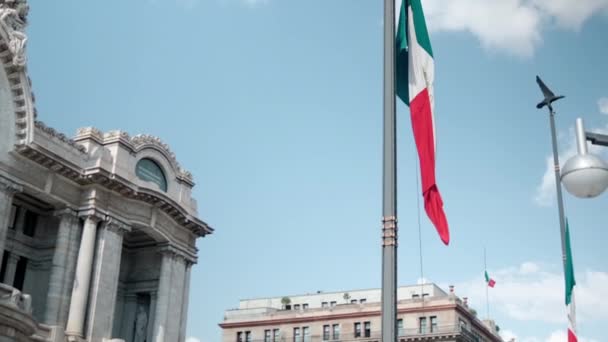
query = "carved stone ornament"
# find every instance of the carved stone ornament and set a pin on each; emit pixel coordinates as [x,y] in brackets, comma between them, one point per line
[9,187]
[13,19]
[18,300]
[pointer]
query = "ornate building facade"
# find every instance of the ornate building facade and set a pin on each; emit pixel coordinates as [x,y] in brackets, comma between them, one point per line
[97,233]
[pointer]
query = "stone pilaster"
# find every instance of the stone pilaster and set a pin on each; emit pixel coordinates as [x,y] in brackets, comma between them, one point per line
[177,295]
[62,268]
[104,285]
[80,290]
[163,299]
[8,189]
[186,298]
[152,316]
[11,269]
[128,317]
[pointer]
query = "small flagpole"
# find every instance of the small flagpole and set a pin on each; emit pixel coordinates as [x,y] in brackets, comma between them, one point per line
[485,267]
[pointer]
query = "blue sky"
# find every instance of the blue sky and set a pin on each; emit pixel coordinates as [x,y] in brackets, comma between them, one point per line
[275,106]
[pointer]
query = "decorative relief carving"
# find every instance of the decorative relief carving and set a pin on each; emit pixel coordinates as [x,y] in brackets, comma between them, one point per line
[9,187]
[141,140]
[18,300]
[62,137]
[13,19]
[92,131]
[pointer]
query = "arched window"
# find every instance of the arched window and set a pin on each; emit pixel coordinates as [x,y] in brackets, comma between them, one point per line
[148,170]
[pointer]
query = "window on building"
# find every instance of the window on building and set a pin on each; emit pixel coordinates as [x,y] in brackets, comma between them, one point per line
[12,221]
[362,300]
[415,295]
[288,307]
[335,331]
[306,333]
[29,224]
[20,273]
[400,331]
[433,323]
[353,301]
[247,336]
[296,307]
[296,335]
[422,325]
[358,329]
[332,304]
[239,336]
[267,336]
[425,295]
[326,332]
[367,329]
[304,306]
[276,335]
[324,304]
[148,170]
[3,266]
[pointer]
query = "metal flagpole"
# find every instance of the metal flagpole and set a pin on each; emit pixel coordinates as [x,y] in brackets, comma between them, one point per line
[485,268]
[389,182]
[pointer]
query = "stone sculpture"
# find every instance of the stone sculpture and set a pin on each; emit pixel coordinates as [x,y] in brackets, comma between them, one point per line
[13,18]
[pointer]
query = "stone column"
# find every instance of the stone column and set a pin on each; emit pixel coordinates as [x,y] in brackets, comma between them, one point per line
[104,285]
[8,189]
[128,320]
[11,268]
[186,298]
[176,295]
[152,312]
[64,261]
[80,291]
[163,299]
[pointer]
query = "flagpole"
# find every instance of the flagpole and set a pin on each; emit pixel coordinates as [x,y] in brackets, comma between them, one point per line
[485,268]
[389,182]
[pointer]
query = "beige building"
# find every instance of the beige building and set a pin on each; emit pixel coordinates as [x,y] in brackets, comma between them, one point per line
[97,232]
[425,313]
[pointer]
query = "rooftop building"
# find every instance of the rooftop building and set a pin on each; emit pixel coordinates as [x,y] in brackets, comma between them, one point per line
[425,313]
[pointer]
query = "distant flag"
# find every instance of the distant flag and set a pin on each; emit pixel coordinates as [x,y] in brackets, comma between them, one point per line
[570,283]
[415,73]
[491,282]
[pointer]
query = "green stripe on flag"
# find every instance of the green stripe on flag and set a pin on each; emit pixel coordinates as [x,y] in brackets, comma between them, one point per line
[422,34]
[487,277]
[569,274]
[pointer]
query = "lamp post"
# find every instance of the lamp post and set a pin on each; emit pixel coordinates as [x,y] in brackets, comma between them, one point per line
[585,175]
[547,101]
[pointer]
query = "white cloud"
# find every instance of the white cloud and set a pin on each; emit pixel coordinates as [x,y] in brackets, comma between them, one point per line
[511,26]
[534,292]
[192,339]
[603,105]
[545,191]
[556,336]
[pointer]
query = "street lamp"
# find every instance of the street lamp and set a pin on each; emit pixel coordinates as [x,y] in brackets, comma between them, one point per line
[585,175]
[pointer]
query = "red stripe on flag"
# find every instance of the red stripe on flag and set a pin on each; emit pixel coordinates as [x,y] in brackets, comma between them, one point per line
[491,283]
[571,336]
[422,123]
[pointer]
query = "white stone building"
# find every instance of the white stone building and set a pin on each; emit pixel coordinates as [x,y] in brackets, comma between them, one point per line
[97,233]
[424,313]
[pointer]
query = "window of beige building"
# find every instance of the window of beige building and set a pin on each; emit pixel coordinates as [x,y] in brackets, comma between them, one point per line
[296,307]
[358,329]
[422,325]
[296,335]
[367,329]
[324,304]
[267,335]
[433,323]
[304,306]
[362,300]
[400,331]
[276,335]
[332,304]
[353,301]
[336,331]
[326,332]
[306,333]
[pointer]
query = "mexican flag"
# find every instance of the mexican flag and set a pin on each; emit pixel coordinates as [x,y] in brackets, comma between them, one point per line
[415,73]
[570,283]
[491,282]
